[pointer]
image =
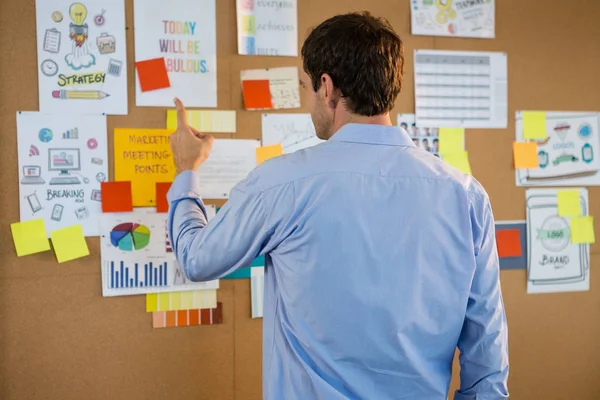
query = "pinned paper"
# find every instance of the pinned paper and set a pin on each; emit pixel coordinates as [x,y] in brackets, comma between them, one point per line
[30,237]
[534,125]
[568,203]
[116,196]
[188,300]
[525,155]
[202,316]
[221,121]
[152,74]
[257,95]
[69,243]
[452,140]
[508,242]
[266,152]
[272,88]
[582,230]
[162,204]
[458,160]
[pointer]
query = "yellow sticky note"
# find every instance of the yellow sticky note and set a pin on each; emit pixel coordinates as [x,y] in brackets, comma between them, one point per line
[458,160]
[525,155]
[164,301]
[220,121]
[30,237]
[534,125]
[452,140]
[266,152]
[568,203]
[248,25]
[143,157]
[582,230]
[151,302]
[69,243]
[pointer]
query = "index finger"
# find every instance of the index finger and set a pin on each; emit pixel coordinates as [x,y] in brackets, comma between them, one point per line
[181,114]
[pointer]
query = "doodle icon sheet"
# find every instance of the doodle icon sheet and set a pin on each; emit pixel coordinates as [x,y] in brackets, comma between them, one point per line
[82,56]
[62,161]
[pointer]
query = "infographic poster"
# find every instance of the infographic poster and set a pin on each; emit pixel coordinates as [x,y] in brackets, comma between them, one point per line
[459,18]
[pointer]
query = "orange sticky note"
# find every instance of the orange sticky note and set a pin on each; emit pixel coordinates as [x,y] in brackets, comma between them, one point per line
[257,94]
[162,204]
[116,196]
[266,152]
[152,74]
[508,242]
[525,154]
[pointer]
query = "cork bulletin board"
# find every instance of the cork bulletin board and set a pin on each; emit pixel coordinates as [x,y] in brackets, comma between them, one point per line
[61,340]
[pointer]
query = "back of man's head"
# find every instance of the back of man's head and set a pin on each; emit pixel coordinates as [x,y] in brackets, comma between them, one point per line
[364,58]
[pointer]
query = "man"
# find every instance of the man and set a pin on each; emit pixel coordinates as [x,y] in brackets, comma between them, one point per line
[380,258]
[435,147]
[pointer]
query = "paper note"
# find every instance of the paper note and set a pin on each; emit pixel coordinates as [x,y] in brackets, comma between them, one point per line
[221,121]
[152,74]
[230,161]
[283,85]
[30,237]
[534,125]
[62,160]
[267,152]
[509,243]
[143,157]
[81,56]
[184,33]
[267,28]
[116,196]
[582,230]
[569,204]
[204,316]
[184,300]
[292,131]
[459,18]
[257,282]
[162,204]
[525,155]
[459,160]
[69,243]
[452,140]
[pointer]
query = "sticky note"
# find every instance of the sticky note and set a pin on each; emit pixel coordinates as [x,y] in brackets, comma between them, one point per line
[266,152]
[30,237]
[151,302]
[458,160]
[508,242]
[582,230]
[525,155]
[69,243]
[534,125]
[257,94]
[248,25]
[452,140]
[116,196]
[221,121]
[152,74]
[568,203]
[162,204]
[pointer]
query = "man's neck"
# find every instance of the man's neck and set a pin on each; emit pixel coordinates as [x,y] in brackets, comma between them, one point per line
[383,119]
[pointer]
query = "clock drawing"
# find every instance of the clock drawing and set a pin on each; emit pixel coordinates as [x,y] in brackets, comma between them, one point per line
[49,68]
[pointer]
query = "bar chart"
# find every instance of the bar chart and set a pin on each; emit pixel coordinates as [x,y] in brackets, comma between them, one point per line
[138,275]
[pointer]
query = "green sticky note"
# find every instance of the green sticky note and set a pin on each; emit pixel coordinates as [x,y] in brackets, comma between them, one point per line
[534,125]
[582,230]
[459,160]
[30,237]
[69,243]
[568,203]
[452,140]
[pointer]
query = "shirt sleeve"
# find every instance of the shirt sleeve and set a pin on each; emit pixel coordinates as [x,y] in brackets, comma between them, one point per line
[483,342]
[249,224]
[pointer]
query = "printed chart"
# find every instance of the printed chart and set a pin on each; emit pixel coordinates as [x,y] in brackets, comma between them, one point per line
[130,236]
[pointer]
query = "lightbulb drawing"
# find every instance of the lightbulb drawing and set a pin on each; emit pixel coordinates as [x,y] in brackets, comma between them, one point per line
[80,56]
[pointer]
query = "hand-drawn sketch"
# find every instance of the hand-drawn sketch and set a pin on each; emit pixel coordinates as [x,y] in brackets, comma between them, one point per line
[57,212]
[99,19]
[447,18]
[52,40]
[49,67]
[293,131]
[32,175]
[34,203]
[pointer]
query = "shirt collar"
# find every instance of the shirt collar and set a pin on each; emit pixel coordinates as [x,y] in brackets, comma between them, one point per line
[373,134]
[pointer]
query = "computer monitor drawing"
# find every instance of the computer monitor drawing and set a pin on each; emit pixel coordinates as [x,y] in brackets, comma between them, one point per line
[64,160]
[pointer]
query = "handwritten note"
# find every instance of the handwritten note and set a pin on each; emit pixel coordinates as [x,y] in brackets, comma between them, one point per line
[143,156]
[534,125]
[30,237]
[222,121]
[69,243]
[283,85]
[267,28]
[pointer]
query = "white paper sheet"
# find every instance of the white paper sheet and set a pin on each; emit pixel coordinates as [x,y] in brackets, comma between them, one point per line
[425,138]
[184,33]
[293,131]
[257,283]
[283,84]
[459,18]
[569,156]
[554,263]
[135,255]
[230,161]
[62,160]
[82,57]
[267,28]
[463,89]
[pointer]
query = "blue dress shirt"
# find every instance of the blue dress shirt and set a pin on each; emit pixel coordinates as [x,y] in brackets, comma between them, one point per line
[380,260]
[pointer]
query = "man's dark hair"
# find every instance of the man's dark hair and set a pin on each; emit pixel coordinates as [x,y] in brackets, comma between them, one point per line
[364,57]
[435,140]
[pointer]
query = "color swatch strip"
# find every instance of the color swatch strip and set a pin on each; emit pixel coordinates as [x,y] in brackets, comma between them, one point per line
[187,300]
[204,316]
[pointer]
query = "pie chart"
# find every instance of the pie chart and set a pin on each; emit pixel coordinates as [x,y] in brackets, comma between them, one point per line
[130,236]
